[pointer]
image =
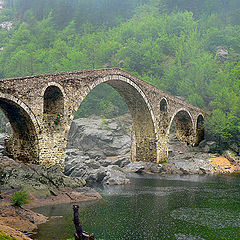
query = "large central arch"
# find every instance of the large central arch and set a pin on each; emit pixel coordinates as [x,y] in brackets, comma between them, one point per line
[23,144]
[143,136]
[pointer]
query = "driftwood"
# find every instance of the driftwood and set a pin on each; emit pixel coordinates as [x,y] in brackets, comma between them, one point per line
[79,234]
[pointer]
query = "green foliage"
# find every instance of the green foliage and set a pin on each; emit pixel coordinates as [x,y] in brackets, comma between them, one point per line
[104,123]
[5,237]
[20,198]
[58,119]
[170,44]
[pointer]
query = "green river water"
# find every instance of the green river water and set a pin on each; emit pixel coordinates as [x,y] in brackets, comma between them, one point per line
[155,207]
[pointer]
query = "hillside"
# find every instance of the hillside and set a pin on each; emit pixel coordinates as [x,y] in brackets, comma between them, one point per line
[187,48]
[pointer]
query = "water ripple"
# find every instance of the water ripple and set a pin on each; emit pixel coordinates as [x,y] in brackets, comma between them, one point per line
[212,218]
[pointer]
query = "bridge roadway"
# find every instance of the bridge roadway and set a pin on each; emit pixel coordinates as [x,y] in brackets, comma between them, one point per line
[41,109]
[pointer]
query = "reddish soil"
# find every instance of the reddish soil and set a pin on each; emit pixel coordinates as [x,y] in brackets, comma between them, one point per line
[223,165]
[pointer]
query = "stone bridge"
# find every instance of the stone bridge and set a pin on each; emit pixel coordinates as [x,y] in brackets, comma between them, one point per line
[41,109]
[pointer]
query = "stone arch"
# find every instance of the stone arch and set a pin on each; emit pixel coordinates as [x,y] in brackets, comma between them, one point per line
[53,104]
[143,142]
[23,144]
[163,105]
[184,126]
[200,128]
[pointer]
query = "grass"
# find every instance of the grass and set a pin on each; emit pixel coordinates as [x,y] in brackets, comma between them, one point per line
[3,236]
[20,198]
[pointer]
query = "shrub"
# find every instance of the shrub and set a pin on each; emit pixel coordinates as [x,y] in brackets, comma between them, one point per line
[5,237]
[20,198]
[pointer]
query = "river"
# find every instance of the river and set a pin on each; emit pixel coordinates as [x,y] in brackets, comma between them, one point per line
[155,207]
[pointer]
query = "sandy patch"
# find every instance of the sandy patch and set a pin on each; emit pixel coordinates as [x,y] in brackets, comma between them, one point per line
[223,164]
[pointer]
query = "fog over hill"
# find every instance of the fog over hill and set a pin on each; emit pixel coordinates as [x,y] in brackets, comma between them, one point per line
[187,48]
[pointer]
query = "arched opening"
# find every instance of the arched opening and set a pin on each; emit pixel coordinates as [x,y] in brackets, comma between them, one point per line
[23,143]
[163,105]
[181,133]
[53,106]
[104,132]
[184,126]
[200,128]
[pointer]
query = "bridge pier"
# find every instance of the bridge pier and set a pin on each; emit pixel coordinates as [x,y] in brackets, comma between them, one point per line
[162,149]
[143,142]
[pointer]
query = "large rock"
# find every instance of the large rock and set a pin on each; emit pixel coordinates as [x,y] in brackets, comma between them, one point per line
[207,146]
[98,149]
[232,157]
[136,167]
[115,176]
[99,138]
[14,174]
[101,171]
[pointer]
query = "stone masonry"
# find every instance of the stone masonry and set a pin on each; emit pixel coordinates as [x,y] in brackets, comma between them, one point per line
[41,108]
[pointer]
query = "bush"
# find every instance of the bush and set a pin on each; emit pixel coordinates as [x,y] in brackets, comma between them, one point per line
[5,237]
[20,198]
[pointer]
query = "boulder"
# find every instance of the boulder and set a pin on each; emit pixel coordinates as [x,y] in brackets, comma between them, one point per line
[207,146]
[136,167]
[232,157]
[39,179]
[96,139]
[156,168]
[115,176]
[101,171]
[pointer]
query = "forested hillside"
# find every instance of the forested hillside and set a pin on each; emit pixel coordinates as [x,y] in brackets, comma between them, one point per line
[187,48]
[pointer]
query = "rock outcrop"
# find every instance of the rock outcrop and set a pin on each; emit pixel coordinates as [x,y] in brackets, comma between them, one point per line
[101,138]
[106,171]
[36,178]
[100,149]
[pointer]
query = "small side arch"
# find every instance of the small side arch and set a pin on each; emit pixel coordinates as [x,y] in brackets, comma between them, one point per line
[163,105]
[23,145]
[200,128]
[184,126]
[53,104]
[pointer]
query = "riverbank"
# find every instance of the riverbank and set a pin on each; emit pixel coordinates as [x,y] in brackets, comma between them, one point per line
[98,152]
[18,222]
[44,186]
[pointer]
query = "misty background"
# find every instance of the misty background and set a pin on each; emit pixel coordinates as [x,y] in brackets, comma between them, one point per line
[190,49]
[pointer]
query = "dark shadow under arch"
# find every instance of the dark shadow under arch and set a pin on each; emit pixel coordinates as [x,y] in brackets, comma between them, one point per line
[183,126]
[53,101]
[23,144]
[200,128]
[53,106]
[163,105]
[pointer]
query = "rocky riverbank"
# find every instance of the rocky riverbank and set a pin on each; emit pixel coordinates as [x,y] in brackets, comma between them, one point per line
[99,151]
[44,187]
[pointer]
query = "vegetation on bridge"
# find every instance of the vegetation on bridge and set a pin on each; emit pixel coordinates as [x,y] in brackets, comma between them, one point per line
[187,48]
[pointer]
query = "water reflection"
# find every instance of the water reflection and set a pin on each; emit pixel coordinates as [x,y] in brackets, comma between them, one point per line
[156,207]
